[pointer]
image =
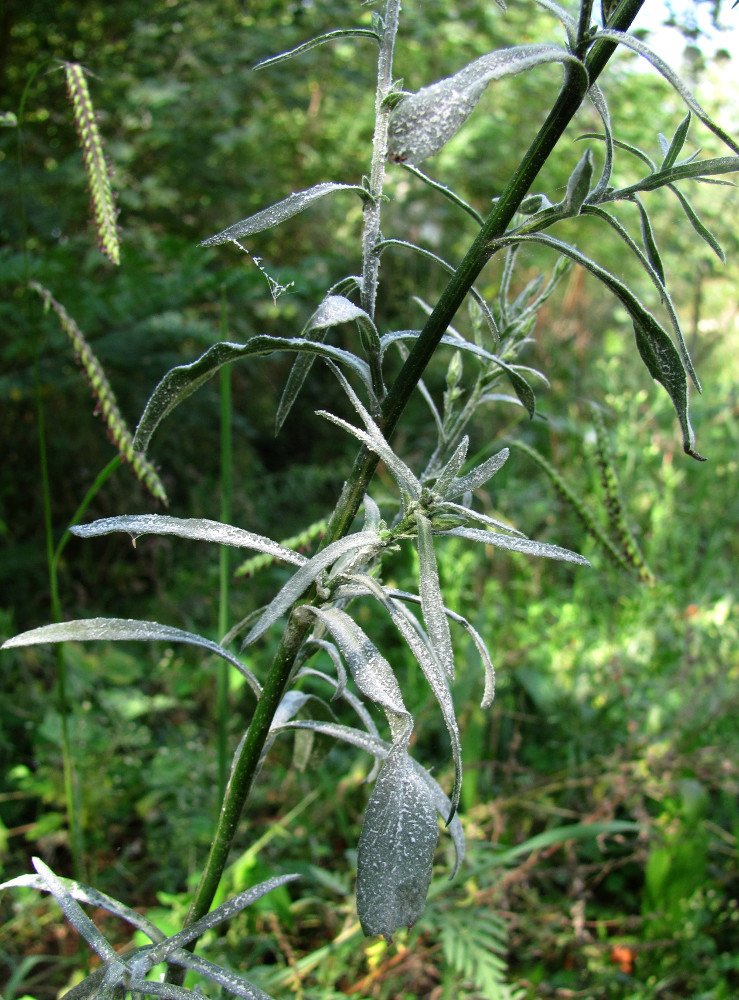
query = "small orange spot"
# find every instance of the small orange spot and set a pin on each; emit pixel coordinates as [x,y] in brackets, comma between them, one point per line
[623,957]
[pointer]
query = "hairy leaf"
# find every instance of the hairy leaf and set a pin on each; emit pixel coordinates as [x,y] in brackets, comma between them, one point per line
[125,629]
[304,577]
[372,673]
[396,849]
[198,528]
[320,40]
[432,603]
[424,122]
[678,141]
[695,222]
[515,544]
[184,380]
[277,213]
[478,476]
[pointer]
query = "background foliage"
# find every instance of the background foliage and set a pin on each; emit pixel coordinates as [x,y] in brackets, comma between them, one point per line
[615,700]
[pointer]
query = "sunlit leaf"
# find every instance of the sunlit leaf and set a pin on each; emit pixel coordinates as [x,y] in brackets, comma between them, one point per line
[511,542]
[424,122]
[678,141]
[478,476]
[320,40]
[432,603]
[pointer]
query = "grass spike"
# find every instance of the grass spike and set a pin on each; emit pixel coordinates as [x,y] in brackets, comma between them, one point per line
[118,430]
[103,204]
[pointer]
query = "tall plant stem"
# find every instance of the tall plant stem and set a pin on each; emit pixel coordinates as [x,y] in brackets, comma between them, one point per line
[373,204]
[249,754]
[224,668]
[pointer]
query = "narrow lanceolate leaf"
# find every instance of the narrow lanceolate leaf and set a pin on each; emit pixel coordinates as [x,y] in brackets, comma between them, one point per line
[678,141]
[320,40]
[478,476]
[184,380]
[650,243]
[396,849]
[297,202]
[435,674]
[334,310]
[124,629]
[424,122]
[200,529]
[305,576]
[631,42]
[665,366]
[515,544]
[703,231]
[432,603]
[106,401]
[372,673]
[380,749]
[597,98]
[578,185]
[449,473]
[657,350]
[103,205]
[74,912]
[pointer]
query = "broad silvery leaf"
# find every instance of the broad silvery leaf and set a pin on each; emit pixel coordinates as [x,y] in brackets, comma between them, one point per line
[381,749]
[200,529]
[515,544]
[334,310]
[432,603]
[396,849]
[424,122]
[304,577]
[184,380]
[125,629]
[277,213]
[372,673]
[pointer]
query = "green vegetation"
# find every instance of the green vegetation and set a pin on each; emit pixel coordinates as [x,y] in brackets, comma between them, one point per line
[599,800]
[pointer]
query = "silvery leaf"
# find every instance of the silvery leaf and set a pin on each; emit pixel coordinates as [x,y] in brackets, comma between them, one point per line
[184,380]
[674,149]
[650,243]
[380,749]
[372,673]
[473,515]
[396,849]
[452,467]
[695,222]
[297,202]
[200,529]
[489,693]
[74,913]
[424,122]
[371,515]
[334,310]
[320,40]
[600,104]
[304,577]
[578,186]
[478,476]
[514,544]
[432,603]
[125,629]
[426,657]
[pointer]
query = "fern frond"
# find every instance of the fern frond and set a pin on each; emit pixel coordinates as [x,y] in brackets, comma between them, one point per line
[106,401]
[475,944]
[103,204]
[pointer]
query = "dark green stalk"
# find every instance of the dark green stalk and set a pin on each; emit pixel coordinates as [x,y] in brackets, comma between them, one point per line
[249,754]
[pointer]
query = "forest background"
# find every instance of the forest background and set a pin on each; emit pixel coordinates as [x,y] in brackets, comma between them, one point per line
[615,698]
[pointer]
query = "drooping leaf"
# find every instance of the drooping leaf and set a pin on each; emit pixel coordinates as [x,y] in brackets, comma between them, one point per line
[184,380]
[665,366]
[424,122]
[432,602]
[305,576]
[511,542]
[372,673]
[197,528]
[433,670]
[125,629]
[74,912]
[650,243]
[277,213]
[320,40]
[695,222]
[396,849]
[600,104]
[631,42]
